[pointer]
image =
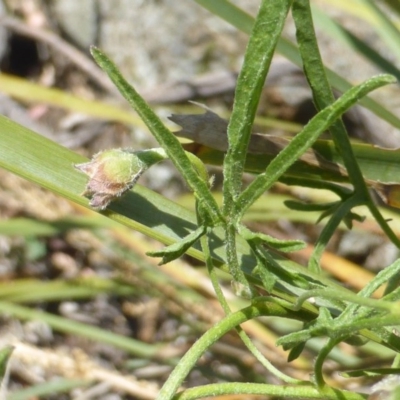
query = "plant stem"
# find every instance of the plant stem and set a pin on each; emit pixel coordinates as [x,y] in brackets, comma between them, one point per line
[329,229]
[323,97]
[242,334]
[319,362]
[187,362]
[292,392]
[260,49]
[167,140]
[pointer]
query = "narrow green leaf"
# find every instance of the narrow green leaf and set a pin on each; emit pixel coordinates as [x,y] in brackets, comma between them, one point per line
[339,32]
[301,142]
[296,351]
[50,388]
[294,339]
[166,139]
[321,89]
[323,96]
[339,212]
[263,40]
[385,28]
[356,373]
[381,278]
[31,92]
[50,165]
[65,325]
[308,207]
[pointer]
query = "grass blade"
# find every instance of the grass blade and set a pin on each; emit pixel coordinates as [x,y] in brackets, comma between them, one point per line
[50,165]
[337,31]
[385,28]
[65,325]
[26,91]
[377,164]
[54,387]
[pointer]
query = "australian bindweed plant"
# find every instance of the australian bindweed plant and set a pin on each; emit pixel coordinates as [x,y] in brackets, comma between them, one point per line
[334,313]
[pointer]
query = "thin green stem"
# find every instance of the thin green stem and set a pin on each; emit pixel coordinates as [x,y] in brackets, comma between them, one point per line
[382,222]
[350,297]
[304,140]
[166,139]
[240,283]
[287,392]
[366,323]
[323,97]
[329,229]
[322,91]
[319,362]
[264,362]
[187,362]
[213,276]
[242,334]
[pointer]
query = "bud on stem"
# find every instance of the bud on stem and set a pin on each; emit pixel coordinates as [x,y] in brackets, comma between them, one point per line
[113,172]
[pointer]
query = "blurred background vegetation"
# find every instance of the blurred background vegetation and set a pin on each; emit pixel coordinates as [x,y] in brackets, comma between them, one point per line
[89,314]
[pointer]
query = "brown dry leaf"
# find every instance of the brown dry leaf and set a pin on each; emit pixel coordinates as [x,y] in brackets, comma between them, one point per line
[390,194]
[209,130]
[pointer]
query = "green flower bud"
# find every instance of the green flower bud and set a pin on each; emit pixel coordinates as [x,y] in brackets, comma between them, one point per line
[111,173]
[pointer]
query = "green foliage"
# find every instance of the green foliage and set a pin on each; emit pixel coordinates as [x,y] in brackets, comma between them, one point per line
[335,313]
[5,354]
